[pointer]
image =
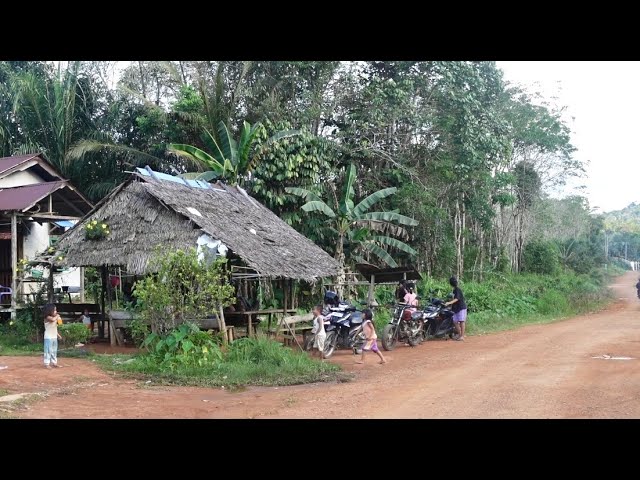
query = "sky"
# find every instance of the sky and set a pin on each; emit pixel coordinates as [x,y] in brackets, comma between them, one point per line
[603,105]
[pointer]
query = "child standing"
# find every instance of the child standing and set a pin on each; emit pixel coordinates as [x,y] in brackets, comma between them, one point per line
[370,334]
[51,335]
[318,330]
[85,318]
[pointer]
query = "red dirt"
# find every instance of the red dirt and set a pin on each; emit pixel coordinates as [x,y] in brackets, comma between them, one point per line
[536,371]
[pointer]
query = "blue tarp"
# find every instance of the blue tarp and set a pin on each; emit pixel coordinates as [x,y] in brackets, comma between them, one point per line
[65,223]
[171,178]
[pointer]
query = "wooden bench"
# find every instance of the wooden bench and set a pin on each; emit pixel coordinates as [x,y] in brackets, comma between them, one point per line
[71,312]
[294,325]
[119,321]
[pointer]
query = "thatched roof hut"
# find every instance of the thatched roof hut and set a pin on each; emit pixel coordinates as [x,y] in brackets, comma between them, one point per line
[152,209]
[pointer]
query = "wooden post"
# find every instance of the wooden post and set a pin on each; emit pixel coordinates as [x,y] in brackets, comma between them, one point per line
[293,294]
[50,295]
[112,334]
[14,264]
[82,300]
[103,274]
[285,288]
[372,286]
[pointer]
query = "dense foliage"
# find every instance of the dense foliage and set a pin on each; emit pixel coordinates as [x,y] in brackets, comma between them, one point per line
[472,160]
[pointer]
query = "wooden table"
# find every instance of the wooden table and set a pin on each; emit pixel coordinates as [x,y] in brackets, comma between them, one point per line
[250,314]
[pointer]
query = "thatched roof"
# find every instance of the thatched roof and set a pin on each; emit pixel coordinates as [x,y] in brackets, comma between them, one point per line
[147,211]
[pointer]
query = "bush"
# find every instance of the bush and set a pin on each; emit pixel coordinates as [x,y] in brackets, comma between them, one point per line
[21,331]
[139,331]
[186,345]
[552,302]
[541,257]
[259,351]
[184,287]
[73,333]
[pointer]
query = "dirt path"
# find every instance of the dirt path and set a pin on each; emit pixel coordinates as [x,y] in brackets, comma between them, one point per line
[538,371]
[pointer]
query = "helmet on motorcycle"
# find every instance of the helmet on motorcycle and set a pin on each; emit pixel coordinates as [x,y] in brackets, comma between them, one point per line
[331,298]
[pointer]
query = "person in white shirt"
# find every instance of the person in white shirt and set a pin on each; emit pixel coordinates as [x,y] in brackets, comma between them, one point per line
[85,318]
[51,335]
[318,330]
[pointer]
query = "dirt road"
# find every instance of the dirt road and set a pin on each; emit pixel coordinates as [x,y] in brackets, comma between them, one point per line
[538,371]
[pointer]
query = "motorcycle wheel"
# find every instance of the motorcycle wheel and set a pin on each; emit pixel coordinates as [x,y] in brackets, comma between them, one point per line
[308,342]
[389,337]
[428,332]
[330,344]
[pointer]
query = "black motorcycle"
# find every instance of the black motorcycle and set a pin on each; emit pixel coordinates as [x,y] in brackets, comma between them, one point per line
[438,320]
[343,326]
[404,326]
[344,330]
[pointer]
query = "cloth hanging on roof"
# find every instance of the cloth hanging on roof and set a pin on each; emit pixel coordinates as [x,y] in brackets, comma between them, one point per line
[209,249]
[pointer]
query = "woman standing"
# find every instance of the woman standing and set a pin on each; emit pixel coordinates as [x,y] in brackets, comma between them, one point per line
[459,308]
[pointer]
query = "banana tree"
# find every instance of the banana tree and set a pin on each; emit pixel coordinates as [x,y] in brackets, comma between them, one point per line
[367,232]
[230,160]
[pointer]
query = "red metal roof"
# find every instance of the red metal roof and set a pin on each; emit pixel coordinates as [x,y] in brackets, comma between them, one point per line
[7,163]
[22,198]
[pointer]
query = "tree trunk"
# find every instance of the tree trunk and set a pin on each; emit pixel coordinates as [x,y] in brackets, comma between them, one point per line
[463,236]
[481,254]
[143,85]
[519,239]
[184,76]
[222,325]
[339,256]
[458,227]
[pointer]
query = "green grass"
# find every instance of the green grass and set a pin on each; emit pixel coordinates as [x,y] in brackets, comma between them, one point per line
[503,301]
[258,361]
[15,346]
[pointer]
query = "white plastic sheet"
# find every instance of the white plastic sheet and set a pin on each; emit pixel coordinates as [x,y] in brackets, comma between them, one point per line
[209,249]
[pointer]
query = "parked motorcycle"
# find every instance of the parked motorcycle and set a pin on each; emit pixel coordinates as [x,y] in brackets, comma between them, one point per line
[404,326]
[438,320]
[343,326]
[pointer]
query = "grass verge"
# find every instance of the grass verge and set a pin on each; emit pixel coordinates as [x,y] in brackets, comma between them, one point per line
[256,361]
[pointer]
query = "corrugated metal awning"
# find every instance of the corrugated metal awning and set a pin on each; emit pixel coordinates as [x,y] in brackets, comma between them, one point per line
[25,197]
[7,163]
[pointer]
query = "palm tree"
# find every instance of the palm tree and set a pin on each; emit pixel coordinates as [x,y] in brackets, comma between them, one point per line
[231,160]
[366,232]
[51,112]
